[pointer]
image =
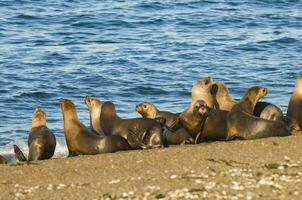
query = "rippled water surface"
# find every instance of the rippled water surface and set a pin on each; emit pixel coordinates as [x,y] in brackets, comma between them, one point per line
[133,51]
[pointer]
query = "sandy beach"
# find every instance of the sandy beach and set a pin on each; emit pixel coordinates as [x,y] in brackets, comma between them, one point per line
[258,169]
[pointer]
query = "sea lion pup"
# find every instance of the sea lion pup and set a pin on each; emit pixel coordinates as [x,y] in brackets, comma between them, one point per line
[204,123]
[81,140]
[242,124]
[95,107]
[294,112]
[223,101]
[150,111]
[2,160]
[41,140]
[147,131]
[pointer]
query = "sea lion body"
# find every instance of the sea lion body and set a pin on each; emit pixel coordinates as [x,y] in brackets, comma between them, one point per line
[2,160]
[215,127]
[81,140]
[223,101]
[41,140]
[147,131]
[175,137]
[243,125]
[294,112]
[41,143]
[268,111]
[192,120]
[206,126]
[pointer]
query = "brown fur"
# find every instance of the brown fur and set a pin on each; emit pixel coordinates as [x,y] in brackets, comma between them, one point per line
[41,140]
[242,124]
[222,97]
[201,91]
[147,131]
[204,126]
[224,101]
[294,112]
[150,111]
[81,140]
[95,108]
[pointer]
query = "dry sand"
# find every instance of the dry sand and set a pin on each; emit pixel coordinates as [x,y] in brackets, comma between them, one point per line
[259,169]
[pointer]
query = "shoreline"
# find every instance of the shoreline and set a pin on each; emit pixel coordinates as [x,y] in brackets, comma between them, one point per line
[254,169]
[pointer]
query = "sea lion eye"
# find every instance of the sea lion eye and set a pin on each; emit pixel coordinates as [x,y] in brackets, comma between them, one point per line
[145,106]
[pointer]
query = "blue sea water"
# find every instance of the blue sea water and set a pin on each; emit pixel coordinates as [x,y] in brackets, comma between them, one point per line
[143,50]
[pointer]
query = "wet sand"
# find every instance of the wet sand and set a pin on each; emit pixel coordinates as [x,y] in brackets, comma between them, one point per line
[259,169]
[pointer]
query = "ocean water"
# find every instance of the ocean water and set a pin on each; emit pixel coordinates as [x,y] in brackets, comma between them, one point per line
[133,51]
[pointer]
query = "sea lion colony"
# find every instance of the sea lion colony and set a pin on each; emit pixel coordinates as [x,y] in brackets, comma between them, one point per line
[213,115]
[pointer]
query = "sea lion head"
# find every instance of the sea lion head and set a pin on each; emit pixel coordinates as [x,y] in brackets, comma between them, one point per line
[68,108]
[219,89]
[193,117]
[108,110]
[298,86]
[93,103]
[201,90]
[147,110]
[39,117]
[255,93]
[251,97]
[200,108]
[203,83]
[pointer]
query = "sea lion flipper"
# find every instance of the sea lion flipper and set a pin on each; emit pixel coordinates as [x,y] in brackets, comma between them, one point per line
[136,139]
[174,126]
[19,154]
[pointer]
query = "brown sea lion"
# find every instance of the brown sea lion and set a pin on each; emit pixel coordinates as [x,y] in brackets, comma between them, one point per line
[223,101]
[81,140]
[204,123]
[294,112]
[2,160]
[95,107]
[242,124]
[176,137]
[201,90]
[147,131]
[41,140]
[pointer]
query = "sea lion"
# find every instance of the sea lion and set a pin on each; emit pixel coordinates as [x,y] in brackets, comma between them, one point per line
[2,160]
[242,124]
[41,140]
[176,137]
[201,90]
[81,140]
[95,107]
[204,123]
[223,101]
[294,112]
[147,131]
